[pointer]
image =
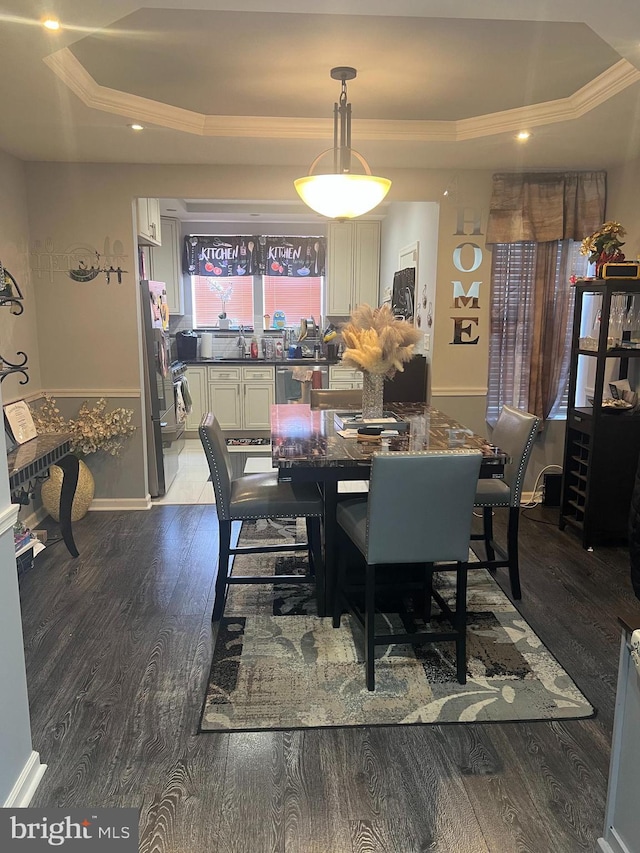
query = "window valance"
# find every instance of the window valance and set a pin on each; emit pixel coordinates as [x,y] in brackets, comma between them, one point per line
[224,256]
[541,207]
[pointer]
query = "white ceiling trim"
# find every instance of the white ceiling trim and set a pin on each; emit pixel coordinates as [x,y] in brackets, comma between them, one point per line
[599,90]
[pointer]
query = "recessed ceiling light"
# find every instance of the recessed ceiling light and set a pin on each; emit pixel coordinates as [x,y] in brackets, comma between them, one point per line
[523,135]
[51,24]
[136,126]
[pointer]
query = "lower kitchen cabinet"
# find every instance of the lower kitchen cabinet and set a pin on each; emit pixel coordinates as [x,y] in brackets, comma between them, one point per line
[258,399]
[197,379]
[224,402]
[241,397]
[341,378]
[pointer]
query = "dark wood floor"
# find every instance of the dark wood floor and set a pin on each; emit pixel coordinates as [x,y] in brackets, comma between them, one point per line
[118,644]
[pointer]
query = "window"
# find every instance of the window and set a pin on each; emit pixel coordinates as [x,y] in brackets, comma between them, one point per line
[250,297]
[208,294]
[512,317]
[298,297]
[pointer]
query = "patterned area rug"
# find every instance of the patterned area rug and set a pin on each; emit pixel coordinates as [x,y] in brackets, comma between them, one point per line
[276,665]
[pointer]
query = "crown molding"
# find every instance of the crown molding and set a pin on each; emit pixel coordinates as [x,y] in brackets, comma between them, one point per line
[596,92]
[73,74]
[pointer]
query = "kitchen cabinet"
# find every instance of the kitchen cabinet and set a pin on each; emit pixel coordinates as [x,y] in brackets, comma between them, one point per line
[353,265]
[197,379]
[148,217]
[344,377]
[167,266]
[241,396]
[601,445]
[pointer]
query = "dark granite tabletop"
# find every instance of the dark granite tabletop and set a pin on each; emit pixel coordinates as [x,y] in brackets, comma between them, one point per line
[304,439]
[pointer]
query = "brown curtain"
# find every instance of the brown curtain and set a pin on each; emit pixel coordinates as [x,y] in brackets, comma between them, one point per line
[541,207]
[552,301]
[546,208]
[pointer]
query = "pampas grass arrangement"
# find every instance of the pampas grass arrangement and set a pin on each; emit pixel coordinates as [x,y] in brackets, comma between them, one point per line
[376,342]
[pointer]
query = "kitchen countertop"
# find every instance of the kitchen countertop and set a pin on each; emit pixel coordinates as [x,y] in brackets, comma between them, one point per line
[278,362]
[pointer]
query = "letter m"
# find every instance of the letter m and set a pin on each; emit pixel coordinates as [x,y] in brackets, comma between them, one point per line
[468,299]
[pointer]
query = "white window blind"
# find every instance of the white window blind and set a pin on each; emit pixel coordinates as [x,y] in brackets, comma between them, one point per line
[207,303]
[512,276]
[298,297]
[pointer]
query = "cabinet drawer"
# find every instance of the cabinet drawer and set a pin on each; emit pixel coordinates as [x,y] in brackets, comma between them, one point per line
[252,374]
[337,373]
[221,373]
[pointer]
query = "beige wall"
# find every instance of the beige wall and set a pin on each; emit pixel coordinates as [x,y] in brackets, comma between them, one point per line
[461,368]
[623,186]
[406,224]
[17,333]
[89,341]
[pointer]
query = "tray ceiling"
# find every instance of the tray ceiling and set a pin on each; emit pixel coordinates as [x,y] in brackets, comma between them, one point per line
[214,82]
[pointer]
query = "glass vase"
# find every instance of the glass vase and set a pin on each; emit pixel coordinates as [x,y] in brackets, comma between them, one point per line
[372,394]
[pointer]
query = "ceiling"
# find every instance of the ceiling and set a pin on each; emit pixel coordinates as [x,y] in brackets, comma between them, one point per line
[440,85]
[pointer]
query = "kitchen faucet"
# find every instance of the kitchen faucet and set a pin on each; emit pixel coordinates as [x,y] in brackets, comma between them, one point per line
[241,343]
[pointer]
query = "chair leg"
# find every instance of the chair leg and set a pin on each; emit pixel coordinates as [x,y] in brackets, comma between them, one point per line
[487,517]
[369,625]
[461,623]
[224,528]
[428,591]
[341,574]
[316,563]
[512,546]
[312,563]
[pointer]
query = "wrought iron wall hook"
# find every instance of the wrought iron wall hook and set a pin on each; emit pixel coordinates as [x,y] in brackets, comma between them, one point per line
[10,293]
[18,367]
[84,274]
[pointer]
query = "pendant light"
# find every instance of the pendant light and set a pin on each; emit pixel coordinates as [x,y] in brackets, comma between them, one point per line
[340,194]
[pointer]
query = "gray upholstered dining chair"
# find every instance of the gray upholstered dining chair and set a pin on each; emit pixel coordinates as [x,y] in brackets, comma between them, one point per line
[336,398]
[418,511]
[256,496]
[341,398]
[514,433]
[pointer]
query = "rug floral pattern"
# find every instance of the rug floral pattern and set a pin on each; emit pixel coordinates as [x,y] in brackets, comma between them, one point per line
[276,665]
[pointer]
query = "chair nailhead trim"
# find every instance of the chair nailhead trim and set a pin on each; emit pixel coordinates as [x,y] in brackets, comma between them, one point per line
[221,509]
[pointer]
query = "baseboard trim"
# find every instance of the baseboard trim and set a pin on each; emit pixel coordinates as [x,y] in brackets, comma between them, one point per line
[119,504]
[612,844]
[34,518]
[26,783]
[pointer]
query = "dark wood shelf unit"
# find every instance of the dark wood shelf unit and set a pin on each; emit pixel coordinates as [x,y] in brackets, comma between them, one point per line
[601,447]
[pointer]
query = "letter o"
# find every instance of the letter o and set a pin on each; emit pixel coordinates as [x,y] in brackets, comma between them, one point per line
[457,257]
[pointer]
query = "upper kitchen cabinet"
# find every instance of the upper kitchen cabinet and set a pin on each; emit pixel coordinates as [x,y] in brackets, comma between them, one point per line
[353,265]
[167,266]
[148,214]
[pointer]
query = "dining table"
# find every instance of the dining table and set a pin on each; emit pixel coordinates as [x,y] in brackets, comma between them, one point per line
[307,446]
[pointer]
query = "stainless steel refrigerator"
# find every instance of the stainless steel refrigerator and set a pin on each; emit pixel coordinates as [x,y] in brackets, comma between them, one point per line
[165,435]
